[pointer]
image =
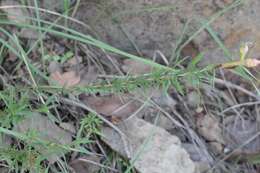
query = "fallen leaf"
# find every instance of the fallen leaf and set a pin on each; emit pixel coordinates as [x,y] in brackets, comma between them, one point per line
[47,131]
[120,107]
[112,105]
[67,79]
[153,149]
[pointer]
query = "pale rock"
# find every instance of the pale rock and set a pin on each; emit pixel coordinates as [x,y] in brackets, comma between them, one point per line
[152,149]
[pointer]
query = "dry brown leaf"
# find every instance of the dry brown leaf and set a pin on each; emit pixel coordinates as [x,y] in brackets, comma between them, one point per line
[112,105]
[67,79]
[122,106]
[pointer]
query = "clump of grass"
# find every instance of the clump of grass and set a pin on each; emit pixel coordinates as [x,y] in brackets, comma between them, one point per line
[89,125]
[15,106]
[21,159]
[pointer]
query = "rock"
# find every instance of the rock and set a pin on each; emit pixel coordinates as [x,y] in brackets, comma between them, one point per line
[155,25]
[236,27]
[152,149]
[118,106]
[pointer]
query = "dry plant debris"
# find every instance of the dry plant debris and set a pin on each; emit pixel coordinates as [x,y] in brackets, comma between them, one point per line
[114,106]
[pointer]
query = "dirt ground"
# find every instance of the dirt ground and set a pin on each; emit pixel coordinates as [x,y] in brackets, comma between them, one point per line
[146,26]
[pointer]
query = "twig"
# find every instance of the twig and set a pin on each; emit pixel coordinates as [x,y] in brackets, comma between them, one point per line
[233,152]
[231,85]
[239,105]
